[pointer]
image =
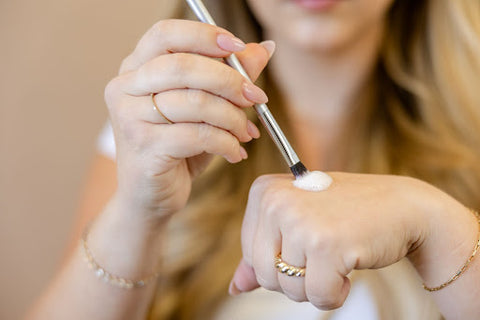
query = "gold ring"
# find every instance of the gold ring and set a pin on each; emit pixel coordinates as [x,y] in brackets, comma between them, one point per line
[288,269]
[155,107]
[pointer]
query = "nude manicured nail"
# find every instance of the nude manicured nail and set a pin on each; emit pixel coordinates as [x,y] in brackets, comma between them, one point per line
[254,93]
[233,290]
[230,43]
[243,153]
[253,130]
[270,46]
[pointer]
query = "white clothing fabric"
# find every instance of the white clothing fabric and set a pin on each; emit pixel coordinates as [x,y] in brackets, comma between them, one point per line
[391,293]
[106,142]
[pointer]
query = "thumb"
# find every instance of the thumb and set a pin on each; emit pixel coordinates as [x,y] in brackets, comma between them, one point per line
[255,57]
[244,279]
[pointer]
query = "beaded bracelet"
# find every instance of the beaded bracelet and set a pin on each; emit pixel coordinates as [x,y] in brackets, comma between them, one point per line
[106,276]
[465,265]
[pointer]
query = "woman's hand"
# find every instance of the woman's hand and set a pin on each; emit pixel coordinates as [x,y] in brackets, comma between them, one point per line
[203,97]
[360,222]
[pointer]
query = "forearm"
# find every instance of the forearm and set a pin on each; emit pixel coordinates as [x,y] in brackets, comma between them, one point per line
[125,246]
[445,249]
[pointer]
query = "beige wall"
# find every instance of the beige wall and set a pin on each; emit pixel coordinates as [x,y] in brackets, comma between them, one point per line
[55,59]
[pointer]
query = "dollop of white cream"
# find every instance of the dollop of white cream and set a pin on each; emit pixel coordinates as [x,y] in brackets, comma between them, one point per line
[313,181]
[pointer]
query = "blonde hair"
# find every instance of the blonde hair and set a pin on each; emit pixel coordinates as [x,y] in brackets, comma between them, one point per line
[423,123]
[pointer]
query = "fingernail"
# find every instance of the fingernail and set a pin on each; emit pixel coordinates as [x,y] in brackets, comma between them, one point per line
[254,93]
[243,153]
[233,290]
[230,43]
[253,130]
[270,46]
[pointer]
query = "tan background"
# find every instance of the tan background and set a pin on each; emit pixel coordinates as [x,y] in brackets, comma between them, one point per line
[55,58]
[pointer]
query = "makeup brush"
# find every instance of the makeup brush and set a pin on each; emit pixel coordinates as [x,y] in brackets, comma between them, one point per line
[264,114]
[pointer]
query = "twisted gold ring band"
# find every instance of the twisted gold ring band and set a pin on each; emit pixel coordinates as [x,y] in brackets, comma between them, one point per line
[288,269]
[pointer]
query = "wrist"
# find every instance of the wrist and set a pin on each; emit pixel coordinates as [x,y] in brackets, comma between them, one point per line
[448,234]
[145,205]
[125,243]
[121,210]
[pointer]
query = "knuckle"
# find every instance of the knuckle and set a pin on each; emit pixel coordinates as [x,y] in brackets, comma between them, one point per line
[127,64]
[162,28]
[179,63]
[197,98]
[275,197]
[276,208]
[239,119]
[322,240]
[232,79]
[262,184]
[295,224]
[258,187]
[271,197]
[217,141]
[234,144]
[204,132]
[271,212]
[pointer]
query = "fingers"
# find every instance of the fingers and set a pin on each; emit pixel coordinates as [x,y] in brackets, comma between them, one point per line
[172,69]
[243,280]
[273,225]
[202,123]
[190,88]
[183,36]
[185,140]
[325,287]
[193,106]
[261,237]
[170,36]
[274,237]
[256,204]
[188,140]
[292,254]
[255,58]
[267,244]
[179,71]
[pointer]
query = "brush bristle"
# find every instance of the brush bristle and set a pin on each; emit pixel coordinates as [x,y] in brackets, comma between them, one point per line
[298,169]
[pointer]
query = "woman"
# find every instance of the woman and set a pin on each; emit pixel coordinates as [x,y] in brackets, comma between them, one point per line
[379,87]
